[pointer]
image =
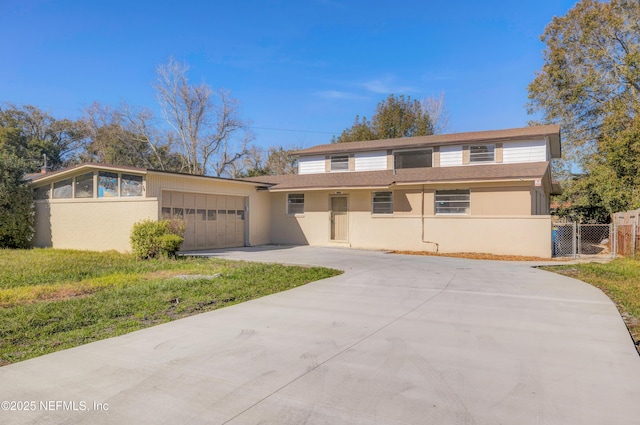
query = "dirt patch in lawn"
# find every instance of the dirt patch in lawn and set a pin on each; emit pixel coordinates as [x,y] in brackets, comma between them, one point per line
[481,256]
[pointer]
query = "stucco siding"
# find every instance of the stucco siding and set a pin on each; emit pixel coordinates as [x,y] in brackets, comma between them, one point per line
[530,236]
[450,156]
[516,234]
[311,165]
[371,161]
[260,218]
[507,201]
[524,151]
[94,225]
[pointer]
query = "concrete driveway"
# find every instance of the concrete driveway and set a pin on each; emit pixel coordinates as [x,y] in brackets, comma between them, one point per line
[394,340]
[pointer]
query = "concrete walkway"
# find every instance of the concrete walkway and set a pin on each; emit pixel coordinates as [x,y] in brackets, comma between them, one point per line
[394,340]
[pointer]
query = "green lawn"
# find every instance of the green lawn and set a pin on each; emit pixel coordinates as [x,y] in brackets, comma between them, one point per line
[619,279]
[55,299]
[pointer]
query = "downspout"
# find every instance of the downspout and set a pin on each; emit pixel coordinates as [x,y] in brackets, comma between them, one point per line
[436,244]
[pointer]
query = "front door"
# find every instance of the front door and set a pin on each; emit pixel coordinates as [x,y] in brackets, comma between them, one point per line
[339,218]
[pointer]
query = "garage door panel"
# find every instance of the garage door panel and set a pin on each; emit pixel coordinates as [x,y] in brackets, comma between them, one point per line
[211,221]
[190,200]
[201,201]
[211,202]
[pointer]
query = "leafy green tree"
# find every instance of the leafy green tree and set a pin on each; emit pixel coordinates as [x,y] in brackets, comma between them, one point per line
[397,116]
[590,84]
[360,130]
[16,202]
[29,133]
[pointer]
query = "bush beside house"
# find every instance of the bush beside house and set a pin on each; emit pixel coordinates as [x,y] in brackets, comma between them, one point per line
[153,239]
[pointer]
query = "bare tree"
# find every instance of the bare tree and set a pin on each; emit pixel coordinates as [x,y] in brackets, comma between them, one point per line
[128,136]
[437,112]
[209,132]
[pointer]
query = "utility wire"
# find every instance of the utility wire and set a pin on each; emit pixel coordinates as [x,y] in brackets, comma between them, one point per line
[293,131]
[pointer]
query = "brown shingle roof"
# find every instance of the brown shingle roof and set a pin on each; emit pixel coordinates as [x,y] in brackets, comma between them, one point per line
[553,131]
[386,178]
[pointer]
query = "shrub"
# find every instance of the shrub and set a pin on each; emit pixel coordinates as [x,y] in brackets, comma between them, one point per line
[170,244]
[16,203]
[153,239]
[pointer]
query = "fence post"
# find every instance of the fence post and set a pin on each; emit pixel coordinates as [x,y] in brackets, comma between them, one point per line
[634,237]
[614,239]
[574,242]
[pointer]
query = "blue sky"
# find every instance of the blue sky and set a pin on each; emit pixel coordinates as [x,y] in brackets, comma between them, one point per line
[303,66]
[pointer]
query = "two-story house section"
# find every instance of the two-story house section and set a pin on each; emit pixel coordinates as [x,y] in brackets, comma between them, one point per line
[485,191]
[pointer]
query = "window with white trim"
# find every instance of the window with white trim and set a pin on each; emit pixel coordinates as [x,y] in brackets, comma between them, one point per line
[482,153]
[413,159]
[382,203]
[452,202]
[295,203]
[340,163]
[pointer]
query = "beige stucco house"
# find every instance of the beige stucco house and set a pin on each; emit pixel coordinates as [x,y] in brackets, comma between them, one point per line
[467,192]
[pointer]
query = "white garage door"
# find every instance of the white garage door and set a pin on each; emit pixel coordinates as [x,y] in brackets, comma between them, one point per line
[211,221]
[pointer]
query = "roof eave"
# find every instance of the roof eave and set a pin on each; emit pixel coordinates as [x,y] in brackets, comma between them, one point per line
[92,166]
[226,180]
[327,188]
[555,147]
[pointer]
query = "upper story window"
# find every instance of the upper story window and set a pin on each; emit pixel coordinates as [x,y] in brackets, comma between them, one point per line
[452,201]
[340,163]
[482,153]
[413,159]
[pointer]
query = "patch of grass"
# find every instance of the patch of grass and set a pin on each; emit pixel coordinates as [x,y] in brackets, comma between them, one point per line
[619,279]
[54,299]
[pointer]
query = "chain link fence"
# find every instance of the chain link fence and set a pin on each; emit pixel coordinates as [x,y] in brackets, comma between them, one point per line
[583,240]
[564,240]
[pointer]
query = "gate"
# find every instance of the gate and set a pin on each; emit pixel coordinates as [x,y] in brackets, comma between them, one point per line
[583,240]
[627,233]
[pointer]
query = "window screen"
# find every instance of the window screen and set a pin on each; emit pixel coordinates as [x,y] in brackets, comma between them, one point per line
[340,163]
[382,203]
[452,202]
[413,159]
[482,153]
[295,203]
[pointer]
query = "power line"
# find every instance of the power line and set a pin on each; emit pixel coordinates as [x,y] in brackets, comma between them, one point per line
[294,131]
